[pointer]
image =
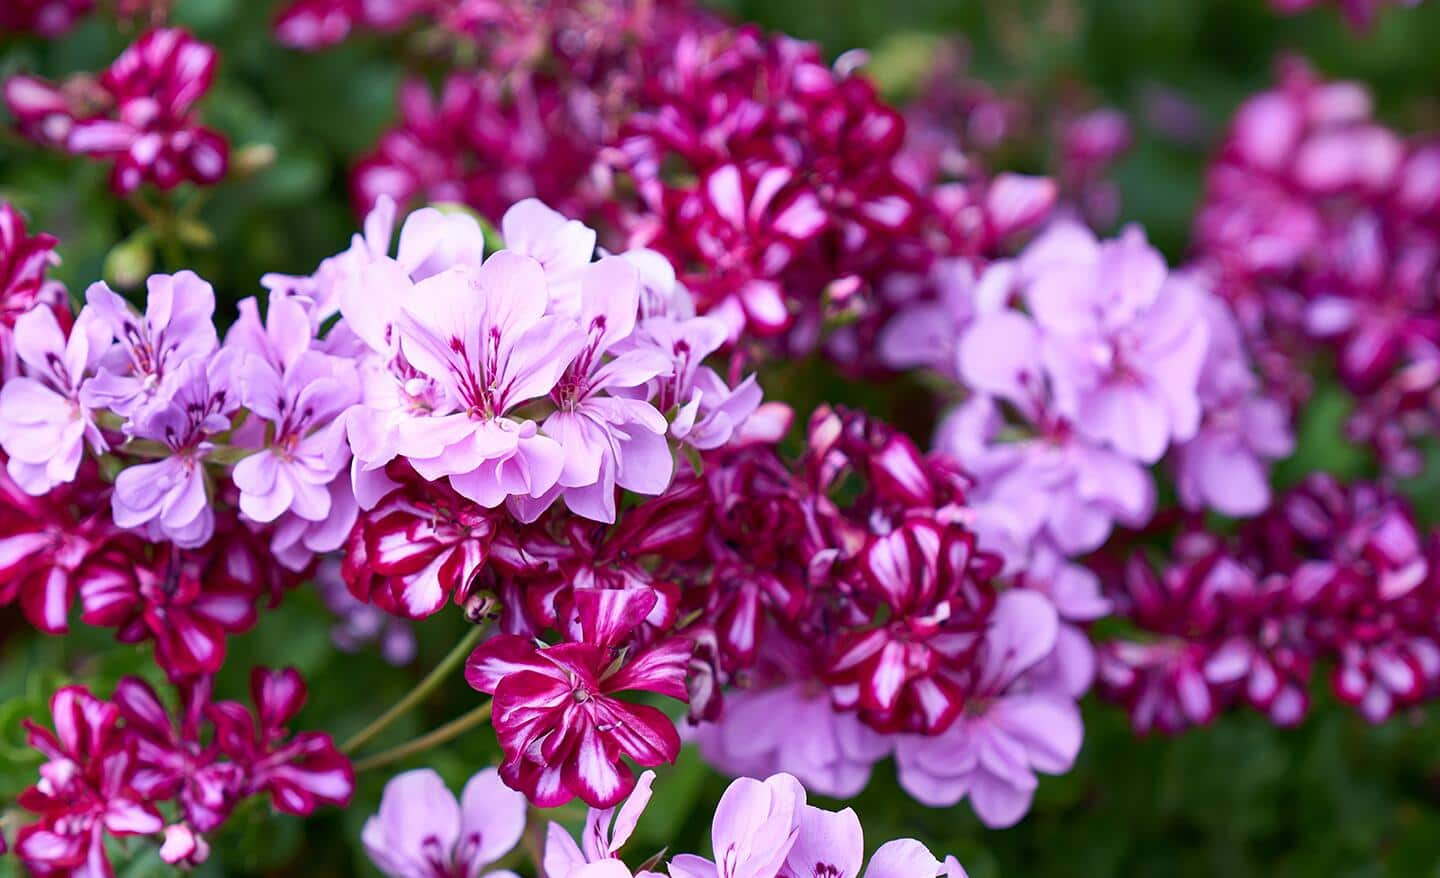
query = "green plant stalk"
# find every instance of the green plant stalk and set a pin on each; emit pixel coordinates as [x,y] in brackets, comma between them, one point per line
[432,680]
[451,730]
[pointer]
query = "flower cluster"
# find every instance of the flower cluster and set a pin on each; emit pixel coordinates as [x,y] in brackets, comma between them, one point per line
[760,828]
[1330,577]
[110,764]
[47,18]
[1319,227]
[139,113]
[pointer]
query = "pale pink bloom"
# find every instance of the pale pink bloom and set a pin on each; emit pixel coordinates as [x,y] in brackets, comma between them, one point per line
[184,847]
[167,499]
[707,410]
[485,338]
[44,422]
[1013,730]
[178,325]
[608,440]
[423,832]
[1122,339]
[299,393]
[563,246]
[786,722]
[606,831]
[755,826]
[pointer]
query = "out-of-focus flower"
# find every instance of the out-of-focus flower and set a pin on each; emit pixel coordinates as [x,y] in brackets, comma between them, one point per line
[141,116]
[87,789]
[24,260]
[1360,14]
[48,18]
[423,832]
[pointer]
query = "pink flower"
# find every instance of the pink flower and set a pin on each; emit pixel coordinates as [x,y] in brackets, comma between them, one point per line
[561,727]
[23,262]
[43,541]
[785,721]
[48,18]
[708,411]
[1008,733]
[562,246]
[422,832]
[300,393]
[606,831]
[608,440]
[86,789]
[168,498]
[1121,340]
[485,338]
[316,24]
[183,847]
[178,326]
[44,423]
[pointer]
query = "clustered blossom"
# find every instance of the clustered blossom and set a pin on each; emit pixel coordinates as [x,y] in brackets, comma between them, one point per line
[24,259]
[46,18]
[139,113]
[1103,361]
[1319,228]
[1331,578]
[111,764]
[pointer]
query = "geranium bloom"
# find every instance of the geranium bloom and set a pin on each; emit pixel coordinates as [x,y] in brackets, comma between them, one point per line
[606,831]
[300,392]
[485,338]
[44,422]
[43,541]
[178,326]
[168,498]
[87,789]
[608,440]
[48,18]
[146,123]
[300,772]
[23,262]
[560,725]
[1007,733]
[422,832]
[1121,339]
[707,410]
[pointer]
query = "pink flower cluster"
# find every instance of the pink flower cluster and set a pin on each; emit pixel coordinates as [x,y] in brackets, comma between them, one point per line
[1102,361]
[1319,227]
[110,764]
[139,113]
[1331,577]
[760,829]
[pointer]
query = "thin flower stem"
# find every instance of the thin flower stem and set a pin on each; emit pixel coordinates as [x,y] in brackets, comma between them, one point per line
[422,689]
[453,729]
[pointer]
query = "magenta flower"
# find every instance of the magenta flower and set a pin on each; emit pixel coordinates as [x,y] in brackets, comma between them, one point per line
[1360,14]
[48,18]
[485,338]
[45,420]
[187,603]
[561,727]
[178,326]
[23,262]
[299,772]
[168,499]
[316,24]
[153,135]
[87,789]
[422,832]
[300,393]
[1009,733]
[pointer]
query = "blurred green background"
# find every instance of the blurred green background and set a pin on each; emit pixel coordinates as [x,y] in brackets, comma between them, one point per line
[1239,799]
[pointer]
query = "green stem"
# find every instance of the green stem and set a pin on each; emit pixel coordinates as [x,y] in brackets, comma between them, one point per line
[453,729]
[422,689]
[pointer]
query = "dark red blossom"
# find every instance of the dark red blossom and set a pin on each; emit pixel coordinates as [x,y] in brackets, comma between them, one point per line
[562,729]
[87,788]
[24,260]
[140,113]
[45,540]
[47,18]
